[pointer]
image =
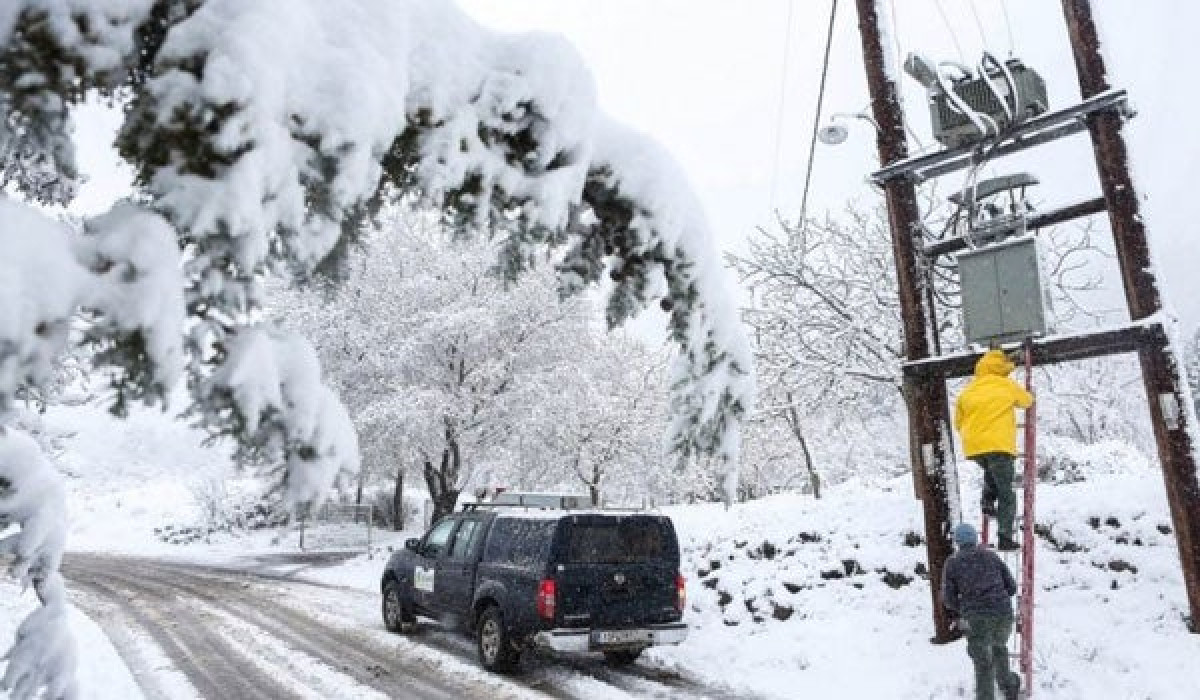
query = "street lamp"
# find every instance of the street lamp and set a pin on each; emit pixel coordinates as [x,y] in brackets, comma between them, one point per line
[834,133]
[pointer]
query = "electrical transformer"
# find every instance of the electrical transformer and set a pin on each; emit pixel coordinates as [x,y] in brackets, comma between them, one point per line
[1003,292]
[953,129]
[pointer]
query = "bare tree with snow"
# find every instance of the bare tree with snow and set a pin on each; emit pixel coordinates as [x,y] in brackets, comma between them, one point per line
[826,325]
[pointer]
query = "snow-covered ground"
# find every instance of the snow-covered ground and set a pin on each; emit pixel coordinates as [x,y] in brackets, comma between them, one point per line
[788,596]
[777,611]
[1108,617]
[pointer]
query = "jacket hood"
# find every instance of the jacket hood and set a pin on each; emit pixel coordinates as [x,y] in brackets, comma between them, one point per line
[993,363]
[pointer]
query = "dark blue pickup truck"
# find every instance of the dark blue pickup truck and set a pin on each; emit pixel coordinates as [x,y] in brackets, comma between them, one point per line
[565,579]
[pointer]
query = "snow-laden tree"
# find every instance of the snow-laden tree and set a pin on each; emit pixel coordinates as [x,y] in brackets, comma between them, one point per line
[601,433]
[264,135]
[443,363]
[461,379]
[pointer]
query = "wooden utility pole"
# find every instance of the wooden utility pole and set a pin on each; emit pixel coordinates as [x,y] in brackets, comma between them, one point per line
[925,395]
[1165,388]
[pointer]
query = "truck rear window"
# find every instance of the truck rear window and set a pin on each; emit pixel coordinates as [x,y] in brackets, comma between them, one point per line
[521,543]
[617,542]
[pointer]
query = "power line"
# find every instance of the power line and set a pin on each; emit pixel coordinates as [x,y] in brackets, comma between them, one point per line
[1012,44]
[812,146]
[898,40]
[978,24]
[783,74]
[962,57]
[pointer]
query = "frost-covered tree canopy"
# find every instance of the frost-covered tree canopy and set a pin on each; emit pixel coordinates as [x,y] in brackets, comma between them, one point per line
[266,138]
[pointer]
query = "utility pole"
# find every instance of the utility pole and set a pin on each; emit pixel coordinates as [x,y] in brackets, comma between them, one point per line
[1167,392]
[925,395]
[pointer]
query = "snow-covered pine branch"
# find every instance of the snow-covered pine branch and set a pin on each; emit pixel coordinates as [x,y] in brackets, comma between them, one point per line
[264,137]
[32,498]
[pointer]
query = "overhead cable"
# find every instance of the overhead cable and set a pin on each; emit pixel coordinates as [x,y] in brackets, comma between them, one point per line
[950,30]
[812,146]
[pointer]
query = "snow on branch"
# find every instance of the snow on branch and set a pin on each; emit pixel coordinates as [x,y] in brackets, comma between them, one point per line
[135,302]
[41,286]
[271,392]
[33,499]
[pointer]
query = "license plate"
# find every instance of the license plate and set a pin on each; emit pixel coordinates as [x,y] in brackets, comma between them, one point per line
[619,636]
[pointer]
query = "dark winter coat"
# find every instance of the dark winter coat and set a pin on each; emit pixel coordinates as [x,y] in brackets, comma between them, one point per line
[976,582]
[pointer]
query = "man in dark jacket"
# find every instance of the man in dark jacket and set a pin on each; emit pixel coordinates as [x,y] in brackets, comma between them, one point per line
[978,588]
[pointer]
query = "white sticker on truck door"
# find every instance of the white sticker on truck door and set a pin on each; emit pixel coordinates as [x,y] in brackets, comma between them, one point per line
[423,579]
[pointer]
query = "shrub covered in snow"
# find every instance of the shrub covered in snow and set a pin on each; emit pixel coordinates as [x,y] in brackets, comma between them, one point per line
[1064,461]
[225,512]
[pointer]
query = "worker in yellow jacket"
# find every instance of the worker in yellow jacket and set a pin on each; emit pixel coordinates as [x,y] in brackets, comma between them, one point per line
[985,418]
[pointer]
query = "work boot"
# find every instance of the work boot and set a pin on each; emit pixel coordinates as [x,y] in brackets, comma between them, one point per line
[1006,543]
[1012,689]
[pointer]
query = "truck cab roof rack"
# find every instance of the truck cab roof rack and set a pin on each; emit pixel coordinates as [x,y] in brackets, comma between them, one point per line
[544,501]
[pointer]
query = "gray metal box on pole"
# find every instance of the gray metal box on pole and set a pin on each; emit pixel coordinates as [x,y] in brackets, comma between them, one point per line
[1003,295]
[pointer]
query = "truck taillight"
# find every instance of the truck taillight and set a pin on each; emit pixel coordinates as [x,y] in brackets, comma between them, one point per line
[680,593]
[547,598]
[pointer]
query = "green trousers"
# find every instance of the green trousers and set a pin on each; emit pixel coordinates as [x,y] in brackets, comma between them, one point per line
[987,645]
[998,473]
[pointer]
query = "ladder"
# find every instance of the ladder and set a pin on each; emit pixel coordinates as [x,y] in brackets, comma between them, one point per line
[1023,559]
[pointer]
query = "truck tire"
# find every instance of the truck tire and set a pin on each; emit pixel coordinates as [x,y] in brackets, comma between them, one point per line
[496,651]
[398,616]
[623,657]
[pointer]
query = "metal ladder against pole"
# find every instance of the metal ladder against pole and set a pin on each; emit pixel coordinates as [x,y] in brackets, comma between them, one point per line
[1028,555]
[1023,559]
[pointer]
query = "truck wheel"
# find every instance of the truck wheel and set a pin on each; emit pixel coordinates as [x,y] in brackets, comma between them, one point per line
[398,616]
[623,657]
[496,650]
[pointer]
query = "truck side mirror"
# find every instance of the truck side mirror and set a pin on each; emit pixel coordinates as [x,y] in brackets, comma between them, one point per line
[412,544]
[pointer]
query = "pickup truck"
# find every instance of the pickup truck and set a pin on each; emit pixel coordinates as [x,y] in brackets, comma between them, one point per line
[519,577]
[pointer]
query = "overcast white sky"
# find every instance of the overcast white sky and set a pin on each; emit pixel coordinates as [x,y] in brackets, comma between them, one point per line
[708,78]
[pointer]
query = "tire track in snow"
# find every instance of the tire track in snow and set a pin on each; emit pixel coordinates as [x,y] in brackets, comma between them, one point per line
[211,665]
[175,589]
[425,665]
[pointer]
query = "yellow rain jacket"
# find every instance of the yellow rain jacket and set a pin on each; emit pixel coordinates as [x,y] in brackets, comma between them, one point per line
[984,415]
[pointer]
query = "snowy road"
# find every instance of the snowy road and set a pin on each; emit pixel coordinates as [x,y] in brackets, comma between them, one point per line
[189,631]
